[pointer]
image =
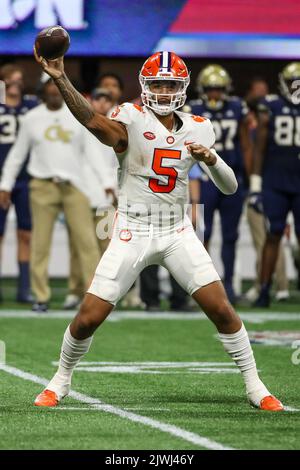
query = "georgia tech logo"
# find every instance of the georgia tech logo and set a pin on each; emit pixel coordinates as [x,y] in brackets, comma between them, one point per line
[67,13]
[56,132]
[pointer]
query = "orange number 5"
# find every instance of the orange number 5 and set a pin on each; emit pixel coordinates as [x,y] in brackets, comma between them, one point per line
[154,184]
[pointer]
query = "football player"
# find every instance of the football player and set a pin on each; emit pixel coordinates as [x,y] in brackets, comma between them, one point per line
[156,146]
[228,115]
[15,107]
[275,182]
[258,89]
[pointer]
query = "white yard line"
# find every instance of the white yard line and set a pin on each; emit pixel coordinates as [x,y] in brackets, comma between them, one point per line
[160,364]
[250,317]
[290,408]
[90,408]
[97,404]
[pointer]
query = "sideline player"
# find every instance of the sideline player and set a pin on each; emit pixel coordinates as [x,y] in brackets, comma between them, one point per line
[228,115]
[11,113]
[156,147]
[276,173]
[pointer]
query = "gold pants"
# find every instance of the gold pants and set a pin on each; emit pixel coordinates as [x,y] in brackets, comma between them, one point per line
[47,200]
[76,284]
[257,227]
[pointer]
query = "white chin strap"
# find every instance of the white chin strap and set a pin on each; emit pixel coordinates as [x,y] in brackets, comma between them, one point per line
[151,100]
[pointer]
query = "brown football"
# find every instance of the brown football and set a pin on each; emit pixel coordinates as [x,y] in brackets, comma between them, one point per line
[52,42]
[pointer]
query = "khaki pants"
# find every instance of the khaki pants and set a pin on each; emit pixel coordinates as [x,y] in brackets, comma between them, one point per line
[257,227]
[47,199]
[76,284]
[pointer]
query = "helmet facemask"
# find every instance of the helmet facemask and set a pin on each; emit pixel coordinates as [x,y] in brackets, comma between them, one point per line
[172,96]
[214,104]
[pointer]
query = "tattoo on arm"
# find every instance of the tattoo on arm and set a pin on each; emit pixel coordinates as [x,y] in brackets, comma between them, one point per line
[76,103]
[108,132]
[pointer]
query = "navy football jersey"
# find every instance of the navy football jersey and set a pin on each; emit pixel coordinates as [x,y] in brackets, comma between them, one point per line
[226,122]
[10,118]
[281,168]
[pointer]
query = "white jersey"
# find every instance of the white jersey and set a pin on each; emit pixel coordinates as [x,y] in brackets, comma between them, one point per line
[154,175]
[154,169]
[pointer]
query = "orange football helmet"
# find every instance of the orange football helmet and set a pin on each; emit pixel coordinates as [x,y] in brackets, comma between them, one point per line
[164,67]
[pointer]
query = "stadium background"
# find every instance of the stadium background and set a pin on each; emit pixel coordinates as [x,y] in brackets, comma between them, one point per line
[200,31]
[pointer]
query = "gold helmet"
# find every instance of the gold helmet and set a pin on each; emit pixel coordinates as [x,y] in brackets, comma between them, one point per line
[289,74]
[213,76]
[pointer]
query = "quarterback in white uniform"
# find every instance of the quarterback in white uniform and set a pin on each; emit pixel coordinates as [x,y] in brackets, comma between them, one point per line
[156,146]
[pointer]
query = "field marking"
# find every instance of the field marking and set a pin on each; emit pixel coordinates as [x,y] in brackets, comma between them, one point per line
[155,364]
[97,404]
[291,409]
[249,317]
[156,367]
[90,408]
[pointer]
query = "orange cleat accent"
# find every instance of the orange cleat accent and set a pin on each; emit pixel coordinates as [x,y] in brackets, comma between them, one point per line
[271,403]
[46,398]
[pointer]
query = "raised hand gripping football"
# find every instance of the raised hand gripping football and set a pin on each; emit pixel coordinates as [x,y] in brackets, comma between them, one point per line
[54,68]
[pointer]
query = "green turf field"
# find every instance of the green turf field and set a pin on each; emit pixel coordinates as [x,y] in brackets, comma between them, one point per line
[150,381]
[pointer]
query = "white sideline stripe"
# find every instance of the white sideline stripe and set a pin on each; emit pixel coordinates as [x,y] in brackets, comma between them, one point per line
[153,423]
[89,408]
[78,408]
[250,317]
[154,364]
[290,408]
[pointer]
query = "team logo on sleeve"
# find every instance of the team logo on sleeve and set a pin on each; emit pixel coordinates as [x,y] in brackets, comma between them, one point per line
[149,135]
[125,235]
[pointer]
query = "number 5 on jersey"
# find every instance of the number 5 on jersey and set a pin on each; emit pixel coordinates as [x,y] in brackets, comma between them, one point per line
[156,185]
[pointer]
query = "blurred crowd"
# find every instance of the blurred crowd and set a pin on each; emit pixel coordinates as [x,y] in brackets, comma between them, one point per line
[50,165]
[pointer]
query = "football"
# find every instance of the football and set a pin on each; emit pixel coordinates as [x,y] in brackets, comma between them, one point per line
[52,42]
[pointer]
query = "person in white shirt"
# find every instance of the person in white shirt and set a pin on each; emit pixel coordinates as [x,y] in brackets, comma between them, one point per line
[54,139]
[100,170]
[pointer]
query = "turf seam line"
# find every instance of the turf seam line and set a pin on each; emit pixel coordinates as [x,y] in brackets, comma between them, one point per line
[97,404]
[116,316]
